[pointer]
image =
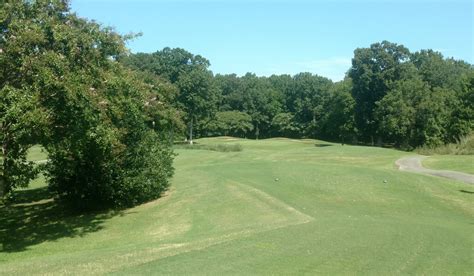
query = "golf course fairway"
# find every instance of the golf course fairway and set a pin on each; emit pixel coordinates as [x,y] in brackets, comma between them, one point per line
[278,206]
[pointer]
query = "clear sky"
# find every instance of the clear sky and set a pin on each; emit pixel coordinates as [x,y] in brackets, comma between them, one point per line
[286,37]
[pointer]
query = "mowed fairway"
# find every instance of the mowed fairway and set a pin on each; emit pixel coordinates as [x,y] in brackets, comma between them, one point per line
[280,206]
[461,163]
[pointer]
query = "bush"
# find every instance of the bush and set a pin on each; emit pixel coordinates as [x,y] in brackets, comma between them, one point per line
[100,173]
[106,156]
[82,105]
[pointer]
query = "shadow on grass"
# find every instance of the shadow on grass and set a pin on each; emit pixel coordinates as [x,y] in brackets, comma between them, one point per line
[467,192]
[33,217]
[322,145]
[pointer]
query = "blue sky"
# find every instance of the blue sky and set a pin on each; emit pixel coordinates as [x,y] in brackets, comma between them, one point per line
[286,37]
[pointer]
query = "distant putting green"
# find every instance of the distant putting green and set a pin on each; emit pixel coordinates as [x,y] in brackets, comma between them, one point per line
[279,206]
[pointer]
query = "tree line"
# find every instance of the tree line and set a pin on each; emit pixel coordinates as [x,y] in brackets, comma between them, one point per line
[389,96]
[108,118]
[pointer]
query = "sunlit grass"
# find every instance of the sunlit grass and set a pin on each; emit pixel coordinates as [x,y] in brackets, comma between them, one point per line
[279,206]
[461,163]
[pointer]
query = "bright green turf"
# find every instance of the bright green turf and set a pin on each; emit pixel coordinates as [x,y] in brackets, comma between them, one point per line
[330,212]
[461,163]
[36,153]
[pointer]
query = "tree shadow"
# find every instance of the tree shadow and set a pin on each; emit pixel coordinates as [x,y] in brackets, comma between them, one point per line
[33,217]
[321,145]
[467,192]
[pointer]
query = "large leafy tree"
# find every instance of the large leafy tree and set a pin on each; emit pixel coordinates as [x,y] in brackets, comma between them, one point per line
[413,113]
[372,72]
[261,102]
[451,76]
[434,69]
[338,123]
[161,116]
[92,110]
[197,98]
[234,123]
[397,111]
[308,97]
[462,116]
[230,92]
[284,124]
[197,95]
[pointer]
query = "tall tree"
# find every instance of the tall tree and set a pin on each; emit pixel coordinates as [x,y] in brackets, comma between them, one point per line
[413,113]
[438,71]
[261,102]
[230,92]
[197,95]
[308,97]
[462,116]
[197,98]
[373,70]
[284,125]
[234,123]
[338,122]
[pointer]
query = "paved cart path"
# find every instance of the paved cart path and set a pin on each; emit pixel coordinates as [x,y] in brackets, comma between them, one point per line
[413,164]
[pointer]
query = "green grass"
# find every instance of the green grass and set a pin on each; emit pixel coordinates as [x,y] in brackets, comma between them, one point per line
[279,206]
[461,163]
[37,153]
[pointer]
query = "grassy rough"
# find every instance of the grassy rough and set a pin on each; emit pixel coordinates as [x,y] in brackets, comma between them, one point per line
[279,207]
[212,147]
[461,163]
[465,146]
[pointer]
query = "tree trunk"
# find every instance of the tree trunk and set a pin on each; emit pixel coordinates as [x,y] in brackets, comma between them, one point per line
[314,125]
[257,131]
[3,180]
[191,132]
[2,186]
[171,135]
[379,141]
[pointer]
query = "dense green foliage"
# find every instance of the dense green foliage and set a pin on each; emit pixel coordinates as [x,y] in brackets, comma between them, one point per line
[389,96]
[411,99]
[230,123]
[189,74]
[63,88]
